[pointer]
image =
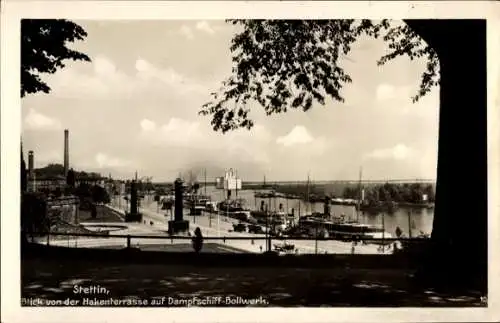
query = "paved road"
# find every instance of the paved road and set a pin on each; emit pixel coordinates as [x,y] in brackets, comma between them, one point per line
[156,223]
[222,226]
[187,247]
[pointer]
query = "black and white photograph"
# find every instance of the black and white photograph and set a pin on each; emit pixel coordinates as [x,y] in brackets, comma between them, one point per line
[284,162]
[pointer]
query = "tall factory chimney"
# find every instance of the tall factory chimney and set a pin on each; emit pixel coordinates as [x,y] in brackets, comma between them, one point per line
[31,164]
[66,152]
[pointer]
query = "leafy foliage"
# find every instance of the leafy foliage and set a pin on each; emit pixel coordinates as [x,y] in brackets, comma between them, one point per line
[54,170]
[43,50]
[400,193]
[24,174]
[404,41]
[93,211]
[33,213]
[290,64]
[70,178]
[134,205]
[51,170]
[100,195]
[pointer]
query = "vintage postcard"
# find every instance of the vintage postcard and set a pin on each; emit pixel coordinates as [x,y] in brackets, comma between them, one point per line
[250,161]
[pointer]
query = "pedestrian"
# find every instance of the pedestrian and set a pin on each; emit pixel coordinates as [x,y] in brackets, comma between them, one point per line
[197,240]
[399,232]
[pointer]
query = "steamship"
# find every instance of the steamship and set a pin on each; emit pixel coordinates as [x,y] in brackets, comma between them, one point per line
[235,209]
[340,229]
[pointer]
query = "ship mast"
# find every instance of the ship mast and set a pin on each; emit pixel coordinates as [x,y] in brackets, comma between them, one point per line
[307,196]
[359,194]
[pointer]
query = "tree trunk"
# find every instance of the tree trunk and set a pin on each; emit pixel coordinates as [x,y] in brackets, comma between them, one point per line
[458,251]
[24,176]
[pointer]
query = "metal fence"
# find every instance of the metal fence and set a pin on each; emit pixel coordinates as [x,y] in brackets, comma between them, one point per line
[226,244]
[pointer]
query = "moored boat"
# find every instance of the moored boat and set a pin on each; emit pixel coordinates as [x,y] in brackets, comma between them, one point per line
[341,229]
[341,201]
[389,207]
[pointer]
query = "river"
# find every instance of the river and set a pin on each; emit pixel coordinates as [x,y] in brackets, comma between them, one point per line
[420,219]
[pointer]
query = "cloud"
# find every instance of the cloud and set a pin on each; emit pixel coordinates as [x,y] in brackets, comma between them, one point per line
[45,157]
[385,92]
[142,65]
[195,137]
[398,152]
[147,73]
[105,161]
[427,107]
[106,80]
[104,67]
[205,27]
[298,135]
[261,134]
[253,145]
[148,125]
[186,31]
[258,134]
[38,121]
[202,26]
[180,128]
[176,132]
[428,163]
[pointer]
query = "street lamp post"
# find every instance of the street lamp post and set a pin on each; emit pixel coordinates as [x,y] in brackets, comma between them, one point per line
[383,231]
[267,229]
[409,224]
[316,241]
[218,223]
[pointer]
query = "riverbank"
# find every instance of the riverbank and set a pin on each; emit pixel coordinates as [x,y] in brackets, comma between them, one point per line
[336,192]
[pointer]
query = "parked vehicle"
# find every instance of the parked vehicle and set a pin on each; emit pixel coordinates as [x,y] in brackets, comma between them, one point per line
[255,229]
[240,227]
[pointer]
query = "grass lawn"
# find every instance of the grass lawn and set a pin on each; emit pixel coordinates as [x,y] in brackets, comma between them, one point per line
[104,214]
[184,247]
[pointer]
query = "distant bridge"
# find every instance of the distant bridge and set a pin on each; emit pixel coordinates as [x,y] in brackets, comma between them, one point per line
[325,182]
[354,181]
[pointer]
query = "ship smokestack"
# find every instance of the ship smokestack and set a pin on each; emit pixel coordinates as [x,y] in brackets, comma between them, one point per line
[66,152]
[31,164]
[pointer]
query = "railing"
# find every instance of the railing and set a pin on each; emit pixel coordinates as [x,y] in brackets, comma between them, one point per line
[226,244]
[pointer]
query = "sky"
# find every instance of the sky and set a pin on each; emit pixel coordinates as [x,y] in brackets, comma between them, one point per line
[135,108]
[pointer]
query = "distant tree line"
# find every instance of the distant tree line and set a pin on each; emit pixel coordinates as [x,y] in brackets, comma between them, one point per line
[54,170]
[34,213]
[141,186]
[144,186]
[399,193]
[88,193]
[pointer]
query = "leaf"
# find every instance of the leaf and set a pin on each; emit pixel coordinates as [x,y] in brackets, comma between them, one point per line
[298,100]
[43,50]
[297,63]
